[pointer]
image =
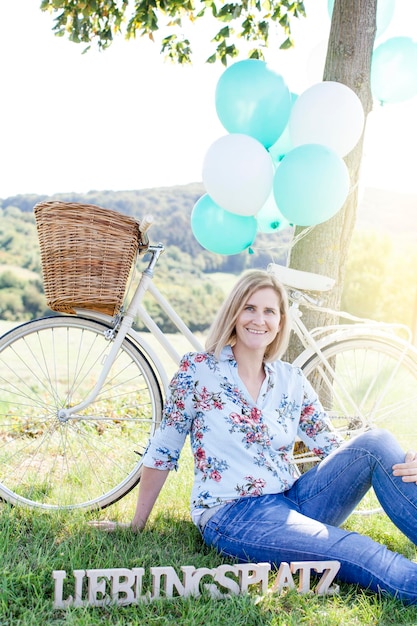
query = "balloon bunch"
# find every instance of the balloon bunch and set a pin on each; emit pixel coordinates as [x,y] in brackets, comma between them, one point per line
[282,161]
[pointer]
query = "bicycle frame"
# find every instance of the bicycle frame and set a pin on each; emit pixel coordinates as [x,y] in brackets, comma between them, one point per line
[115,376]
[122,329]
[314,341]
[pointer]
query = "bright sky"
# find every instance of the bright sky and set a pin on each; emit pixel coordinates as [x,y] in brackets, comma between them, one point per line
[125,119]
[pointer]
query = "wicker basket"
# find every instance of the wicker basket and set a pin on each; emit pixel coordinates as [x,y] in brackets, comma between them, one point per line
[87,253]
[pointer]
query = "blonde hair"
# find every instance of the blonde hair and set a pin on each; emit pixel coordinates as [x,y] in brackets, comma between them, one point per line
[223,329]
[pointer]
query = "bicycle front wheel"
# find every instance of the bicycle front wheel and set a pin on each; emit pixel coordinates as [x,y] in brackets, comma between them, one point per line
[375,384]
[93,458]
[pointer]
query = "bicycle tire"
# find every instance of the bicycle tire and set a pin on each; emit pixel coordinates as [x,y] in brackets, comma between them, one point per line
[94,458]
[382,381]
[379,377]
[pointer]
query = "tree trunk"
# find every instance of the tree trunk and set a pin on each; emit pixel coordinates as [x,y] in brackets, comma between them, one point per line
[325,248]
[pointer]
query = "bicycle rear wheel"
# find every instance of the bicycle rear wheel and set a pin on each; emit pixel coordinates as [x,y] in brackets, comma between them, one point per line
[94,458]
[375,385]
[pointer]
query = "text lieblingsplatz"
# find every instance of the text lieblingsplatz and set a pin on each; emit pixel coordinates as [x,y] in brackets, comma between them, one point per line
[122,586]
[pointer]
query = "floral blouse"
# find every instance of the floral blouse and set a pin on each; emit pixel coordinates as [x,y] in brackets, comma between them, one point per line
[240,448]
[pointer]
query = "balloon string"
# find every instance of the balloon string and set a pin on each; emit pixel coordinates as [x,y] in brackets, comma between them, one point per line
[285,246]
[293,242]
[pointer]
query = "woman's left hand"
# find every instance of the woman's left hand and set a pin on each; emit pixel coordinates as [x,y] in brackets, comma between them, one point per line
[408,469]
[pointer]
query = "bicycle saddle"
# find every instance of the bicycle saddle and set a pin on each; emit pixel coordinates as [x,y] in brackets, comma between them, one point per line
[297,279]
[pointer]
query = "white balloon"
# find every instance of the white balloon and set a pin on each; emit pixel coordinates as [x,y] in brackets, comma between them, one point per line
[238,173]
[328,113]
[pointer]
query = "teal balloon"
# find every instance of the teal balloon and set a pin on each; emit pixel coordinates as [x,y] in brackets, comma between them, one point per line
[384,13]
[394,70]
[220,231]
[283,144]
[254,100]
[269,218]
[311,184]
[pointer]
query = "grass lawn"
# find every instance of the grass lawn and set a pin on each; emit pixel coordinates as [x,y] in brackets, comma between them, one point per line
[33,544]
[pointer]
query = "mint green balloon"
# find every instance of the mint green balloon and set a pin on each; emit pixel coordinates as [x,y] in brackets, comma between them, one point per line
[269,218]
[311,184]
[284,144]
[253,99]
[394,70]
[220,231]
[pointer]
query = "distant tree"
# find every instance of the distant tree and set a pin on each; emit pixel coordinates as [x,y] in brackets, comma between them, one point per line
[7,239]
[33,300]
[366,270]
[11,305]
[380,278]
[196,305]
[9,280]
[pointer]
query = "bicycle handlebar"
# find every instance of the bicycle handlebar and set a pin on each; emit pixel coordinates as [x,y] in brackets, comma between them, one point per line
[145,223]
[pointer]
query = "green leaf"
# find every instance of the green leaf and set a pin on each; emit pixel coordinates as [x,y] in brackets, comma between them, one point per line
[222,34]
[100,20]
[256,53]
[284,22]
[288,43]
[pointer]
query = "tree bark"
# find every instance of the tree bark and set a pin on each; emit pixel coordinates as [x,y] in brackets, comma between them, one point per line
[325,248]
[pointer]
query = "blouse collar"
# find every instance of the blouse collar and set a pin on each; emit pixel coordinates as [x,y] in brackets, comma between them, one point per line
[227,355]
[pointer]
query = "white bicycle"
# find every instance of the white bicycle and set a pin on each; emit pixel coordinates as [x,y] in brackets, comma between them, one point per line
[81,394]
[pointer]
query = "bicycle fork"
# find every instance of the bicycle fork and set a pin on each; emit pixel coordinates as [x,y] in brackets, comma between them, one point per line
[117,336]
[326,370]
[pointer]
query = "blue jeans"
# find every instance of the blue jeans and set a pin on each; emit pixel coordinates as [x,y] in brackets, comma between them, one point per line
[302,524]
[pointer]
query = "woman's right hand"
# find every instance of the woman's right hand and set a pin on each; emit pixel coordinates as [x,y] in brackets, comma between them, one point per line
[150,485]
[136,526]
[108,526]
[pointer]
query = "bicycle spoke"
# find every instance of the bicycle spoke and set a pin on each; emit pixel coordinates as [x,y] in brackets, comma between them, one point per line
[370,379]
[89,459]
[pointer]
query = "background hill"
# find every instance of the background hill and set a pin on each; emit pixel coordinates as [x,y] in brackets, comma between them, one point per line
[186,272]
[381,278]
[171,208]
[382,210]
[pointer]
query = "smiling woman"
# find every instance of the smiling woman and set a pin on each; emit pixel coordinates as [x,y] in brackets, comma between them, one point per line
[257,325]
[243,409]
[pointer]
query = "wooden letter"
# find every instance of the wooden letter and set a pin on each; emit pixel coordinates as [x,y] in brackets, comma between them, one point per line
[252,574]
[96,587]
[122,582]
[78,587]
[170,580]
[198,574]
[284,578]
[330,570]
[59,603]
[305,568]
[139,572]
[75,600]
[226,582]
